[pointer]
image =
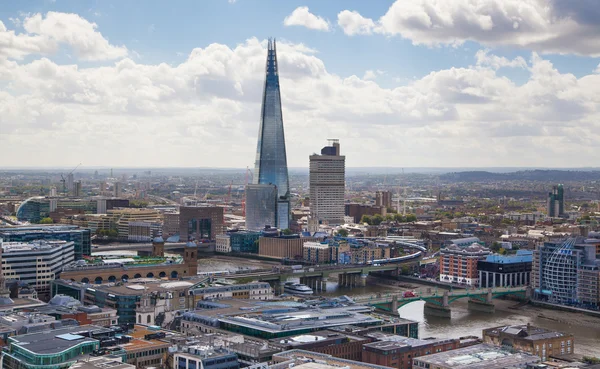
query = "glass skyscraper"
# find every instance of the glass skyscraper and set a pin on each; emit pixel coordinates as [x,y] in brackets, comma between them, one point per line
[271,161]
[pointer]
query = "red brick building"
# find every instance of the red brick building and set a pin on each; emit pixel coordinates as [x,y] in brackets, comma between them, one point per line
[400,352]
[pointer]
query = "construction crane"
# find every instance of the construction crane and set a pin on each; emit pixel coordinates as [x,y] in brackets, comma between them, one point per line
[195,190]
[64,182]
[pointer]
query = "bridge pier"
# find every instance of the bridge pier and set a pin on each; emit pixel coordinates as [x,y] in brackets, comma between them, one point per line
[362,282]
[437,310]
[441,309]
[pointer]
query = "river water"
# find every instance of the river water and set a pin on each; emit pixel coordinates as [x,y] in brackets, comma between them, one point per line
[463,322]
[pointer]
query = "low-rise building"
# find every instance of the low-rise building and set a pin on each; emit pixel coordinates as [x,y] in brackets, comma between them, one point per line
[534,340]
[337,344]
[317,252]
[223,243]
[304,359]
[205,357]
[49,349]
[252,291]
[284,247]
[476,357]
[101,362]
[505,270]
[399,352]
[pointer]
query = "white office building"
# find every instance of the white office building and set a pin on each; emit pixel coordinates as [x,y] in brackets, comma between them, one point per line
[327,186]
[36,263]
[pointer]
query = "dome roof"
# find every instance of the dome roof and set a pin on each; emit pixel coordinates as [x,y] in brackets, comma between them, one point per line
[158,240]
[190,244]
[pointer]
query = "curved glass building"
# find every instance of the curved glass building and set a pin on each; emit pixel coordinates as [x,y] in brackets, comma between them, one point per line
[33,209]
[560,273]
[271,160]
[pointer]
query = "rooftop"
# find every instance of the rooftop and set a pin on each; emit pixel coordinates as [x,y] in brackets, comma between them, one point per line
[524,331]
[315,319]
[522,256]
[392,342]
[314,360]
[54,341]
[478,357]
[41,245]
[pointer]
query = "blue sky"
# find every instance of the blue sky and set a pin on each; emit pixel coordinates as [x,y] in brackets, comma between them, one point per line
[425,86]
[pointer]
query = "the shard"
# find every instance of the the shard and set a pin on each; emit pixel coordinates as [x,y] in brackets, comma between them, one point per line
[271,161]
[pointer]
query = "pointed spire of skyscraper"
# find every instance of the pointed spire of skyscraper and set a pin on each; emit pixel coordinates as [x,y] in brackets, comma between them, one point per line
[271,160]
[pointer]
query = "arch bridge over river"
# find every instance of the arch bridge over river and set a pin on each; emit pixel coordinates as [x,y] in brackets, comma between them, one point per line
[439,304]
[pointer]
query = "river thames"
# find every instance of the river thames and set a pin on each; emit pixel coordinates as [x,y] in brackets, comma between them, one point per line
[463,322]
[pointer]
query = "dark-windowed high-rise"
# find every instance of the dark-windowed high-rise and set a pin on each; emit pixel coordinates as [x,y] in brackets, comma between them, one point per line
[271,162]
[556,202]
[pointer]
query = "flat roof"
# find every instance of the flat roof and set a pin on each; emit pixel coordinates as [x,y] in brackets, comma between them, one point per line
[304,319]
[303,357]
[54,341]
[480,356]
[525,332]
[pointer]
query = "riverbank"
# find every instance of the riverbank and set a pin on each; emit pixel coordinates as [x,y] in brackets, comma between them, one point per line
[550,315]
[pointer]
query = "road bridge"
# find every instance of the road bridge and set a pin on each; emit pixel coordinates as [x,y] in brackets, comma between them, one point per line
[439,304]
[315,277]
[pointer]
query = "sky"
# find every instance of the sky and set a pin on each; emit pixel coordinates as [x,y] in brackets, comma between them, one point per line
[406,83]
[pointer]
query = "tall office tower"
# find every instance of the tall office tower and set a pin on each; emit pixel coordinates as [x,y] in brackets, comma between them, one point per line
[77,189]
[118,189]
[70,182]
[327,185]
[556,202]
[271,162]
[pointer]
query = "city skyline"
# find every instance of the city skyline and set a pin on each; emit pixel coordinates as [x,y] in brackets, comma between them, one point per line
[402,84]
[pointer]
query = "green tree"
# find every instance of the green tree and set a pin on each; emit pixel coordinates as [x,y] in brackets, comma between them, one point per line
[399,218]
[377,219]
[495,247]
[591,360]
[366,219]
[342,232]
[113,233]
[287,232]
[46,220]
[411,218]
[405,270]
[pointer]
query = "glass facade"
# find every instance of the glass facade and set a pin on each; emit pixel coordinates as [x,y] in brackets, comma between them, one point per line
[560,273]
[271,159]
[244,242]
[33,209]
[81,237]
[261,206]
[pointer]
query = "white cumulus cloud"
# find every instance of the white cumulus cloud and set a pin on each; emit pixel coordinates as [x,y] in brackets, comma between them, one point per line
[204,111]
[301,16]
[352,23]
[547,26]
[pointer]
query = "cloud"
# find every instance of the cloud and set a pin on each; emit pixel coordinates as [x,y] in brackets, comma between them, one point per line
[546,26]
[131,113]
[301,16]
[44,35]
[352,23]
[73,30]
[496,62]
[372,74]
